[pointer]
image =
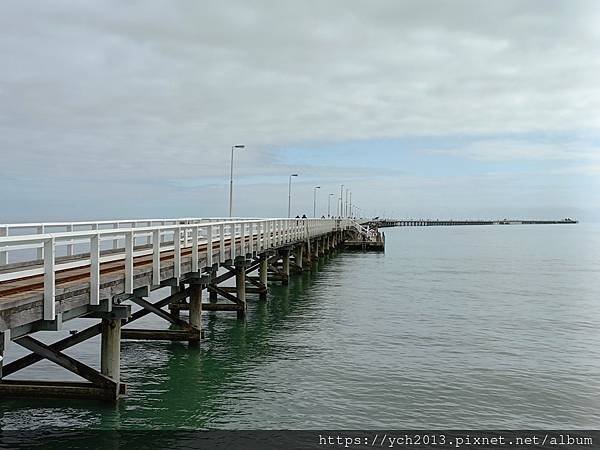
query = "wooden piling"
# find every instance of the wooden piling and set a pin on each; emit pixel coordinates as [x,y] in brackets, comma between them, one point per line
[3,343]
[263,274]
[110,356]
[240,284]
[212,295]
[285,257]
[174,306]
[298,255]
[195,312]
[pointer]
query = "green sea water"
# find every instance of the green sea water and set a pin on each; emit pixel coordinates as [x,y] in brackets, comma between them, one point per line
[453,327]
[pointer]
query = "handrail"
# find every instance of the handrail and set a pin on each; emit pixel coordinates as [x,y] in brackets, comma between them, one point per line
[365,231]
[262,234]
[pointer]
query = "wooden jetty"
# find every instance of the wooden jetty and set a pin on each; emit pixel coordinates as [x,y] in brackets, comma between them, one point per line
[63,271]
[383,223]
[369,238]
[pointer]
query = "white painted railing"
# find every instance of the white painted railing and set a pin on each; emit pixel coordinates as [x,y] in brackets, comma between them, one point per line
[369,233]
[12,229]
[262,234]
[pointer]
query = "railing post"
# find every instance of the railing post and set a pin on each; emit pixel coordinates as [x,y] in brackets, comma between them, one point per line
[177,253]
[40,251]
[280,232]
[243,239]
[70,246]
[95,269]
[232,232]
[3,253]
[115,242]
[269,237]
[129,262]
[156,238]
[195,232]
[250,244]
[49,280]
[221,243]
[209,247]
[149,239]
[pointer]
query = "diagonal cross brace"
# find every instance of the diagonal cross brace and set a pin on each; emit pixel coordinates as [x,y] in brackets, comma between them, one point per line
[159,312]
[256,283]
[59,346]
[276,270]
[224,294]
[81,336]
[71,364]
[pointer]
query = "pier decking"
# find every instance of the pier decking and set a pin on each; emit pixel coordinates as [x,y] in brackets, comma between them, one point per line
[100,269]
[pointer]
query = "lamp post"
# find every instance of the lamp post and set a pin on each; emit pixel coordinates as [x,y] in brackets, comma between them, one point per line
[231,180]
[329,205]
[341,200]
[315,200]
[346,204]
[350,203]
[290,193]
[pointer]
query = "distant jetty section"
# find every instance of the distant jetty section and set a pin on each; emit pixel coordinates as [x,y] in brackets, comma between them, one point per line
[382,223]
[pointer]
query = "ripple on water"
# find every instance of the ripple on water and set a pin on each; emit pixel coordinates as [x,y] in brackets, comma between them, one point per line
[451,328]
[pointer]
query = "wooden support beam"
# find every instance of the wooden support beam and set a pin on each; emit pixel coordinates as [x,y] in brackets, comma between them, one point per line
[221,307]
[159,312]
[84,335]
[65,361]
[58,389]
[63,344]
[263,275]
[298,256]
[212,294]
[173,306]
[285,272]
[240,284]
[159,335]
[226,295]
[110,349]
[249,290]
[196,312]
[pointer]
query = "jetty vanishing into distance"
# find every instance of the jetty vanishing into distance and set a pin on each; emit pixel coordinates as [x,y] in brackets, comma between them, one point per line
[51,273]
[100,269]
[381,223]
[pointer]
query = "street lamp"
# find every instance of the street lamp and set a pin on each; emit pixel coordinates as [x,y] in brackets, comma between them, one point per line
[315,201]
[231,180]
[346,204]
[329,205]
[290,193]
[341,201]
[350,203]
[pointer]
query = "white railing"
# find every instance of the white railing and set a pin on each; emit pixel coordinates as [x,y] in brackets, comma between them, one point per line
[19,229]
[262,234]
[365,231]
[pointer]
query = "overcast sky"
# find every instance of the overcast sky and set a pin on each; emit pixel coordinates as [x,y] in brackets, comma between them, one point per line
[424,109]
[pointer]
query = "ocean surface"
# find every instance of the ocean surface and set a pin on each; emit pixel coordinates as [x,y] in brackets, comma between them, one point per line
[453,327]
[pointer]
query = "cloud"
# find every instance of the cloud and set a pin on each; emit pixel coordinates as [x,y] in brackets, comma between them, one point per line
[502,149]
[119,92]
